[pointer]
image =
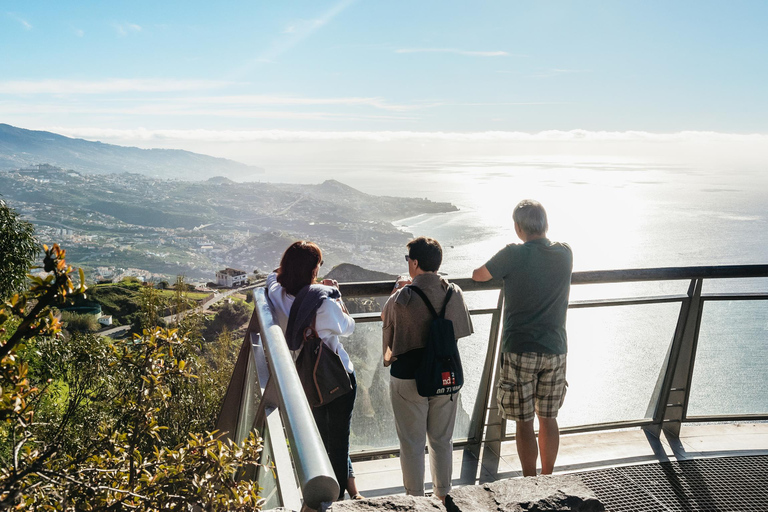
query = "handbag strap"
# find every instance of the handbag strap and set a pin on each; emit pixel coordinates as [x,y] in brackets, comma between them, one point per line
[311,330]
[423,296]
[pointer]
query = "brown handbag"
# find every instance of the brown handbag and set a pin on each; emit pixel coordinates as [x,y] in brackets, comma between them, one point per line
[322,374]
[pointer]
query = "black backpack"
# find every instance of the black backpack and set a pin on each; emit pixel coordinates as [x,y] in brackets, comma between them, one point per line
[440,371]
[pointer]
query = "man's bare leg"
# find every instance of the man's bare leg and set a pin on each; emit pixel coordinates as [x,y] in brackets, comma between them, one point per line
[549,443]
[527,450]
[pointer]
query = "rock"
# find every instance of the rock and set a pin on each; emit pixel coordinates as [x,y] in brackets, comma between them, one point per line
[349,273]
[391,503]
[540,494]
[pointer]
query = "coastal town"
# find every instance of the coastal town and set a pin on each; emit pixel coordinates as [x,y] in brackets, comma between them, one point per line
[130,225]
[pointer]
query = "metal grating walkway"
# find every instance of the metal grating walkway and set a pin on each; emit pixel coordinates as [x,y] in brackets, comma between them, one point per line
[721,484]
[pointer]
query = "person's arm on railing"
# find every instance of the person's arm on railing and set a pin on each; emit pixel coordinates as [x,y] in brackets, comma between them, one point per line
[481,274]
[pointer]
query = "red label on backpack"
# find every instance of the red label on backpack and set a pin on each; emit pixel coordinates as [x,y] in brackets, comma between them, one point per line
[447,378]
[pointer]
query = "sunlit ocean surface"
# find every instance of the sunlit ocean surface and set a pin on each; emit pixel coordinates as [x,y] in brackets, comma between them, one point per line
[614,215]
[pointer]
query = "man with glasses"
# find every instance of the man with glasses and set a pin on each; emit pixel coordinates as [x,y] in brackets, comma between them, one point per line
[407,320]
[537,281]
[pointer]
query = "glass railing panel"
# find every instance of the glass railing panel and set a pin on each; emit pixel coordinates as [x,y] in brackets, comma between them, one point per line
[487,299]
[373,426]
[615,356]
[729,375]
[250,402]
[606,291]
[269,489]
[741,285]
[473,350]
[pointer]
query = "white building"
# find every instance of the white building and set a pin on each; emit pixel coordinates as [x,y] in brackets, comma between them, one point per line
[105,320]
[231,277]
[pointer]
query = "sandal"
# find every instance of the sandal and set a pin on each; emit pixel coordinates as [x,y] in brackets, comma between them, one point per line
[357,496]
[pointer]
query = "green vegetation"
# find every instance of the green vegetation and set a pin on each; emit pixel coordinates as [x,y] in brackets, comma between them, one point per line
[228,317]
[196,296]
[121,300]
[18,250]
[79,322]
[95,424]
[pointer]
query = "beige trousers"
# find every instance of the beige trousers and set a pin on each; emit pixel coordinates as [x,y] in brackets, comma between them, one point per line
[418,419]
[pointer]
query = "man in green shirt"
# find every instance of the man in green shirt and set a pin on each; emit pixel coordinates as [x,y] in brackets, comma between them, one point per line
[537,281]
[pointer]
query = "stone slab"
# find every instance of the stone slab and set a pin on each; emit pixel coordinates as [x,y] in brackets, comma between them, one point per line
[539,494]
[390,503]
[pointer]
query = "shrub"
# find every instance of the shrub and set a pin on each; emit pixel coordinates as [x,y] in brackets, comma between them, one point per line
[86,421]
[18,250]
[79,322]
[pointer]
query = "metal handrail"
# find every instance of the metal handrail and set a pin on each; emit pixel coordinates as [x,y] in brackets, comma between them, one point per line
[315,474]
[383,288]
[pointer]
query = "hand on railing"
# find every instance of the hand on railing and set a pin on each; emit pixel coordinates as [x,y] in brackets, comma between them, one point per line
[401,282]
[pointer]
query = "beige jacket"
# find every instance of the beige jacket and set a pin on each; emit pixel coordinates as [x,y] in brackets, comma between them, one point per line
[406,317]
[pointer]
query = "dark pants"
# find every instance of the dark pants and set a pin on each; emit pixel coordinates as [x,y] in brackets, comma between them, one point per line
[333,422]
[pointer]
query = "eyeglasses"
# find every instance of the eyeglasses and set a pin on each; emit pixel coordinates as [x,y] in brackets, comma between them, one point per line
[407,258]
[321,262]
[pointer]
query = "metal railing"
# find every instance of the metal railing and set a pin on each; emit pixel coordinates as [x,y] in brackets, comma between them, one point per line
[265,350]
[265,381]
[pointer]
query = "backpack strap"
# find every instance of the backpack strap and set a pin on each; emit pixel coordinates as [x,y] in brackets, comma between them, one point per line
[445,303]
[431,308]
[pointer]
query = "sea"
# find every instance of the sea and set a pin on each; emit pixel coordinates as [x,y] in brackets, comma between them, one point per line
[615,214]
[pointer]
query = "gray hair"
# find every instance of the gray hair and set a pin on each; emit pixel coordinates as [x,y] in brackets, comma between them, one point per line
[531,217]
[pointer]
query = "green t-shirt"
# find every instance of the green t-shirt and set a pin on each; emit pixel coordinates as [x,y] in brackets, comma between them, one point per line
[537,281]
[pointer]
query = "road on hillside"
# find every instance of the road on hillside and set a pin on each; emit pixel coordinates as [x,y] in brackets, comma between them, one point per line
[217,297]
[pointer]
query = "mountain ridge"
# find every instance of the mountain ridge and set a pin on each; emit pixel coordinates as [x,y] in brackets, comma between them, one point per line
[20,147]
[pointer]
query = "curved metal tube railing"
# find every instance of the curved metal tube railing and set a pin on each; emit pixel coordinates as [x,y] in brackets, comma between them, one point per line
[315,474]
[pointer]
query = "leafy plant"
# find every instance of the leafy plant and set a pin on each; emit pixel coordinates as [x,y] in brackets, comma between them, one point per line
[18,250]
[85,422]
[79,322]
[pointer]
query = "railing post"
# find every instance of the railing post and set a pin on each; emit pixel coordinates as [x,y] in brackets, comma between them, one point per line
[487,380]
[670,398]
[488,423]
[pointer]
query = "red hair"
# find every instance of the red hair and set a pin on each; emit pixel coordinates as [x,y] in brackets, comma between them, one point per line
[297,266]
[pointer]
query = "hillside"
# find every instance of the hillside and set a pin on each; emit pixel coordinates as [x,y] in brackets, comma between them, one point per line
[349,273]
[129,224]
[24,148]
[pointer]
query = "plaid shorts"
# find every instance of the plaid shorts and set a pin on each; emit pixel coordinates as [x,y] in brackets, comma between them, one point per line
[531,381]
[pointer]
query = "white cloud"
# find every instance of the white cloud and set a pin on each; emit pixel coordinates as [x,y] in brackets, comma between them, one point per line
[269,100]
[469,53]
[123,29]
[24,23]
[173,110]
[406,136]
[303,26]
[293,35]
[117,85]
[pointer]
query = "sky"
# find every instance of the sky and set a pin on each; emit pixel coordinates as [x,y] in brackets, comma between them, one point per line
[271,81]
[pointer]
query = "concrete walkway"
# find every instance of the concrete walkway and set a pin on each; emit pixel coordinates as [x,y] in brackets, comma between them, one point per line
[579,452]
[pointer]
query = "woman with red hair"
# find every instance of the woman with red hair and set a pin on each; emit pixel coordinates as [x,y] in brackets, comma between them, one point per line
[298,269]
